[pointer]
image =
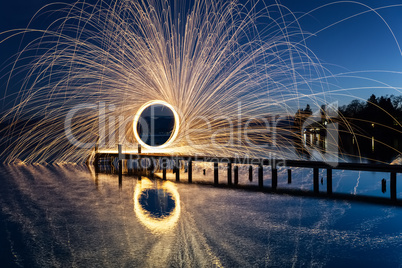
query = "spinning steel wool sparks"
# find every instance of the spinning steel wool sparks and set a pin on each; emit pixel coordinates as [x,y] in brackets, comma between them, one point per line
[231,73]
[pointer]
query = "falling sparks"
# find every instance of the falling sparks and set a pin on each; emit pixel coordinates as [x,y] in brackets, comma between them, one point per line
[226,68]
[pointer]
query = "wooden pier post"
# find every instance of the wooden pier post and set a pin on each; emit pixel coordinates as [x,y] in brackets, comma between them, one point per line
[274,178]
[130,165]
[177,168]
[289,176]
[120,169]
[96,163]
[393,186]
[120,173]
[120,150]
[164,164]
[250,173]
[190,171]
[315,180]
[229,173]
[329,181]
[236,175]
[261,176]
[216,173]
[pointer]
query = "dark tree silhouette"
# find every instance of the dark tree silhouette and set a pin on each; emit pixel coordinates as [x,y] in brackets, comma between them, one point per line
[378,119]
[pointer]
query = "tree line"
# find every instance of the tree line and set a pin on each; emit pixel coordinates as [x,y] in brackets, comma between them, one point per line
[384,110]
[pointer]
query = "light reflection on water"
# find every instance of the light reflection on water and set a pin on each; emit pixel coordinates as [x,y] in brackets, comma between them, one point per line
[157,204]
[66,216]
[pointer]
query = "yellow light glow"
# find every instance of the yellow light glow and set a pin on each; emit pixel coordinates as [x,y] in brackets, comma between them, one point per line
[175,128]
[157,225]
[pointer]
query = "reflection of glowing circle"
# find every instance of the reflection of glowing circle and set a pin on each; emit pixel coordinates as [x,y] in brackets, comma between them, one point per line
[158,202]
[175,128]
[157,224]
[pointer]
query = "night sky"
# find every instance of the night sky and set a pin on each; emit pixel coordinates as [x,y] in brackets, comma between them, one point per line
[361,43]
[358,44]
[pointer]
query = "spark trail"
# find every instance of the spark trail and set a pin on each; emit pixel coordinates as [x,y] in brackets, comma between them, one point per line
[227,68]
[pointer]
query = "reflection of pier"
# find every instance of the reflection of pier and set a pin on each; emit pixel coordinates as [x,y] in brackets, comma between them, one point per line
[163,162]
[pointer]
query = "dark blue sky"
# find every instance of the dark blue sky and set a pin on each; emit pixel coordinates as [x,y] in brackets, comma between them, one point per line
[359,44]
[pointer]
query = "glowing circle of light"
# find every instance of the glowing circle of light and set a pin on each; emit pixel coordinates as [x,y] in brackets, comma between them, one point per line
[176,127]
[157,225]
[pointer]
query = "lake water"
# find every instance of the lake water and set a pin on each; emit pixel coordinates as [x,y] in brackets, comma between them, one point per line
[66,216]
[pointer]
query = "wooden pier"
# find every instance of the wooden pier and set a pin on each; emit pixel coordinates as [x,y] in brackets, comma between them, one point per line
[260,163]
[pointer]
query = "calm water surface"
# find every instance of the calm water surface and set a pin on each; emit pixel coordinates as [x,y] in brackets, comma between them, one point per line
[63,216]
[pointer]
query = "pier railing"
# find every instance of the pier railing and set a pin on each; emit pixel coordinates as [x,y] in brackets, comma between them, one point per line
[260,163]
